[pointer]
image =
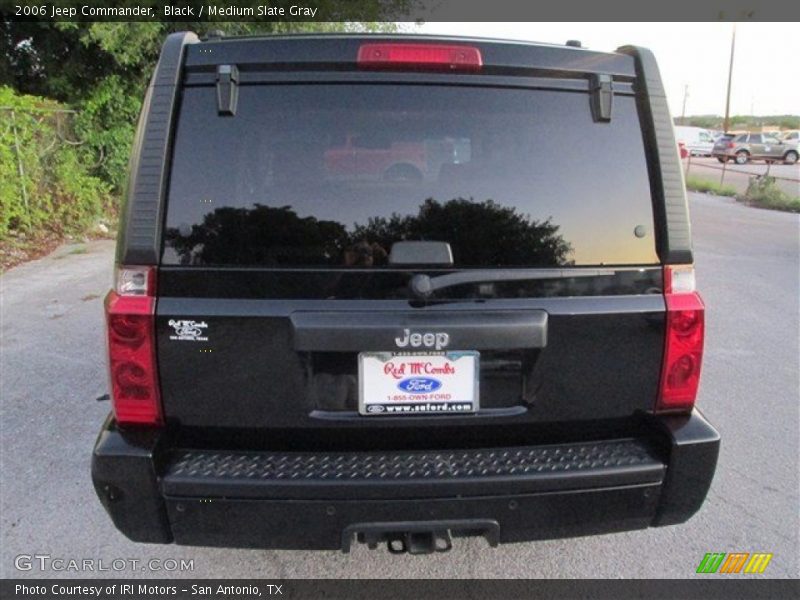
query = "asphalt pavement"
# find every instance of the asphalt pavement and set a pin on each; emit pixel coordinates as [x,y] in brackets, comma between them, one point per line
[52,370]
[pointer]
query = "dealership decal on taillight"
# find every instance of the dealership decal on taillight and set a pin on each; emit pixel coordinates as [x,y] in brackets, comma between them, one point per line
[683,349]
[130,321]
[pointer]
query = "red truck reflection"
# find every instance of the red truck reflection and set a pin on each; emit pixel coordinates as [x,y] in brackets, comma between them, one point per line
[373,157]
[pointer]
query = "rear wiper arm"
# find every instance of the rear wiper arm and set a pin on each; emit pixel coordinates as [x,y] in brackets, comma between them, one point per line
[422,285]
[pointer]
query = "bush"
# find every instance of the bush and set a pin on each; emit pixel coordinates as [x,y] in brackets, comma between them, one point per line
[36,156]
[698,184]
[107,123]
[765,193]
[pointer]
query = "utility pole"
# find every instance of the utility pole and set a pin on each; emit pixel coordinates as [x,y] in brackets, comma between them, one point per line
[685,96]
[730,77]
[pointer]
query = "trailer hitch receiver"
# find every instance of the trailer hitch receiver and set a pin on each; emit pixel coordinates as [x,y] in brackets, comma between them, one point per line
[419,537]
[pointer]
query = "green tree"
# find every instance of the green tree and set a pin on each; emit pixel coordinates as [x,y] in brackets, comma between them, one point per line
[741,121]
[480,233]
[102,68]
[707,121]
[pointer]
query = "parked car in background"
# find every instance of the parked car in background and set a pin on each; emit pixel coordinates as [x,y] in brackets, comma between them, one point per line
[791,137]
[699,141]
[755,146]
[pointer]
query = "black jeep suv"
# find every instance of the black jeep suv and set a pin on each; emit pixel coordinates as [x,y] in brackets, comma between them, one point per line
[401,288]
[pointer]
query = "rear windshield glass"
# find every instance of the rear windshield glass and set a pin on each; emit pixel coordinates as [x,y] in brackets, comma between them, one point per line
[329,175]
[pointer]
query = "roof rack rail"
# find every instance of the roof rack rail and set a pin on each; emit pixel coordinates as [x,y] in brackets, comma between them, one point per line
[574,43]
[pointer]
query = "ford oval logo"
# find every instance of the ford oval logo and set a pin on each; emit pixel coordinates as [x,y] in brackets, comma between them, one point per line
[419,385]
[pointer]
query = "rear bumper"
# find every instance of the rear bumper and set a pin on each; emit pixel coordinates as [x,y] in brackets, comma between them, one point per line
[157,493]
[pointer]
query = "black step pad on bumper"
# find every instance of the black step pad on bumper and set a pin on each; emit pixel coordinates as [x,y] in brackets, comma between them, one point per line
[411,474]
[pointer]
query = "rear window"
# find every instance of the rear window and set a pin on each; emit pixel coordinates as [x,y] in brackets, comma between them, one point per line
[328,175]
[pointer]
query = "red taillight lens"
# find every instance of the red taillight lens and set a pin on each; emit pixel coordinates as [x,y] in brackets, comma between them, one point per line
[130,320]
[730,144]
[683,351]
[438,56]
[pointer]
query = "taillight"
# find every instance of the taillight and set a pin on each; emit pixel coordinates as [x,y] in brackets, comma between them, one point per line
[130,322]
[683,349]
[730,145]
[436,56]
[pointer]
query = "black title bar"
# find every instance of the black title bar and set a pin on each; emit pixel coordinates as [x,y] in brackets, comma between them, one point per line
[208,11]
[710,587]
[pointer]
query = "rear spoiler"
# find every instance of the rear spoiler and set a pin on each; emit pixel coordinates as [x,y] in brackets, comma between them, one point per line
[670,207]
[141,216]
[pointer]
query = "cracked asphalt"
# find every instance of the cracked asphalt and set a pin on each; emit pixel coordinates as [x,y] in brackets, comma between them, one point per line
[52,370]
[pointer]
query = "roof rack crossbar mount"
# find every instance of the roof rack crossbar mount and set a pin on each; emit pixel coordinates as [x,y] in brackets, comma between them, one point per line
[227,89]
[602,98]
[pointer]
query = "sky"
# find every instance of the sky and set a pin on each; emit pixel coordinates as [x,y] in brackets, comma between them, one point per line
[766,70]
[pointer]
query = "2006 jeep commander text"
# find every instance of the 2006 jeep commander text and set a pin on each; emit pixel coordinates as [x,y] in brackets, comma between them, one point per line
[376,288]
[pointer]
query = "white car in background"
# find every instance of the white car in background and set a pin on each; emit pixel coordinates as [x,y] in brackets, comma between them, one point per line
[699,141]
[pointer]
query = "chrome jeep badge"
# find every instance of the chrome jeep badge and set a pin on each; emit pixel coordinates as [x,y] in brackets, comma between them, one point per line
[436,340]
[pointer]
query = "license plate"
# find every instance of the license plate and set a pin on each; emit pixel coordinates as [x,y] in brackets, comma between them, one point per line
[417,384]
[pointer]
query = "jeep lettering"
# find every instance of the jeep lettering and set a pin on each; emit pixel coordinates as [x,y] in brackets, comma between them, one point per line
[429,340]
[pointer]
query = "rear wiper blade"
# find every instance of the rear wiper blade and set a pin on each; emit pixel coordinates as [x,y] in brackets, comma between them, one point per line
[422,285]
